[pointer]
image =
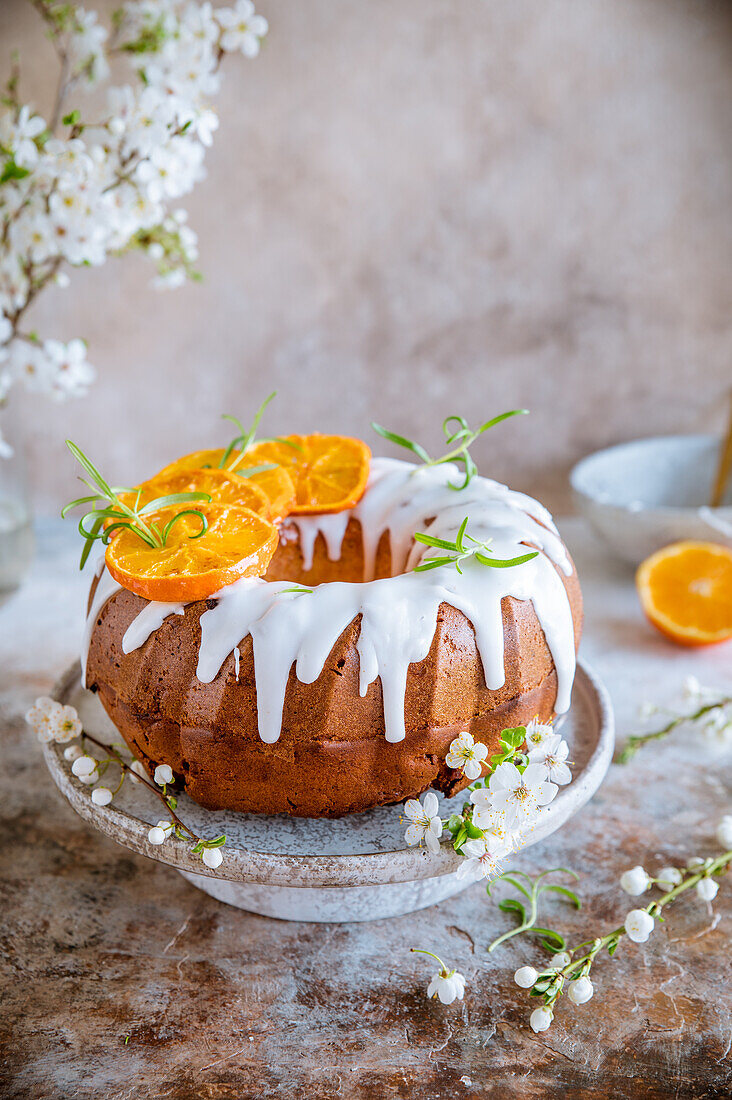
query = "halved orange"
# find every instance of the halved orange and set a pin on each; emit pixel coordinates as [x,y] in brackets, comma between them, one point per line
[686,591]
[223,488]
[330,471]
[237,543]
[275,483]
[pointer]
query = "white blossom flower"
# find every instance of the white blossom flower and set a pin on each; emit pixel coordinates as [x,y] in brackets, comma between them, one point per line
[242,28]
[72,374]
[54,722]
[537,733]
[668,877]
[541,1019]
[86,46]
[560,960]
[519,795]
[724,831]
[717,727]
[525,977]
[447,985]
[639,925]
[212,857]
[635,882]
[479,860]
[84,766]
[163,774]
[707,889]
[19,135]
[580,991]
[426,824]
[552,753]
[492,824]
[466,756]
[101,796]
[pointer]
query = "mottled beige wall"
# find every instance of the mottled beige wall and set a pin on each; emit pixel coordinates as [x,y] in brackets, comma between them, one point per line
[416,207]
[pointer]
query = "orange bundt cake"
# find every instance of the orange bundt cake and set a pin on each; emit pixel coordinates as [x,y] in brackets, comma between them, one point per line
[336,681]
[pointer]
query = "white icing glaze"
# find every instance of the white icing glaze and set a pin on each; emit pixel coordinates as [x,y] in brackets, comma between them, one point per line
[399,613]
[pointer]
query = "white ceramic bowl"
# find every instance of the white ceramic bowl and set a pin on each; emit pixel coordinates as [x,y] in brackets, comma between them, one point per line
[643,495]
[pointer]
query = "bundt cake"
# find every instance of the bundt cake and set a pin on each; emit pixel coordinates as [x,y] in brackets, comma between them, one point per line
[337,681]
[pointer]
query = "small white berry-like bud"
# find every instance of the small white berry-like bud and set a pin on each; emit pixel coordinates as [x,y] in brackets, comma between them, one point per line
[84,765]
[73,752]
[138,771]
[156,251]
[101,796]
[695,863]
[525,976]
[639,925]
[61,279]
[707,889]
[635,881]
[668,877]
[580,991]
[156,835]
[540,1019]
[87,780]
[212,857]
[724,831]
[560,960]
[116,127]
[163,774]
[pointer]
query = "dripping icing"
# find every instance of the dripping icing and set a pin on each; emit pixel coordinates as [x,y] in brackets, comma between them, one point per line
[398,613]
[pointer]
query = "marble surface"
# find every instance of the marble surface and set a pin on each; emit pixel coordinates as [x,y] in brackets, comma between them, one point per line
[490,204]
[121,980]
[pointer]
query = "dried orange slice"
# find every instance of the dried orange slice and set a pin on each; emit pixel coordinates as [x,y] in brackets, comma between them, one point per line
[275,483]
[223,488]
[330,471]
[686,591]
[237,543]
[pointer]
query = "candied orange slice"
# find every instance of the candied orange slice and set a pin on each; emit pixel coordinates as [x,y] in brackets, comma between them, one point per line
[275,483]
[330,471]
[686,591]
[237,543]
[223,488]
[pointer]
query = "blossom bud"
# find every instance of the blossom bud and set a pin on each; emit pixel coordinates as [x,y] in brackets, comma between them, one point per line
[83,765]
[724,831]
[525,977]
[707,889]
[560,960]
[639,925]
[580,991]
[73,752]
[156,835]
[540,1019]
[101,796]
[668,877]
[635,881]
[138,771]
[163,774]
[212,857]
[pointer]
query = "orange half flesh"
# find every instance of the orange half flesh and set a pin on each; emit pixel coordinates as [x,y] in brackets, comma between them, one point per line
[223,488]
[330,472]
[237,543]
[686,592]
[277,484]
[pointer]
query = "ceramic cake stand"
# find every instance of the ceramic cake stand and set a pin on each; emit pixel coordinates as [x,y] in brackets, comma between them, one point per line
[350,869]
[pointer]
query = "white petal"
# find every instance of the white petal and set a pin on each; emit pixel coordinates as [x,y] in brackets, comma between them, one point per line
[430,804]
[414,834]
[413,809]
[505,777]
[432,842]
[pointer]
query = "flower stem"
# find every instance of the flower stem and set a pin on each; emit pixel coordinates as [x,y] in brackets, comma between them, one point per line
[637,741]
[422,951]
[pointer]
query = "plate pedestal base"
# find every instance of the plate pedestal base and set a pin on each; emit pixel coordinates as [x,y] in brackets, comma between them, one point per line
[331,904]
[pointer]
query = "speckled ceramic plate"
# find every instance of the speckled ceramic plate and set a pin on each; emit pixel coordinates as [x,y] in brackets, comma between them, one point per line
[352,868]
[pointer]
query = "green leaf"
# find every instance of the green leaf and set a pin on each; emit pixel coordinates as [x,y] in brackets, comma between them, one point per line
[506,877]
[72,118]
[564,891]
[13,171]
[173,498]
[250,471]
[401,441]
[552,940]
[505,563]
[514,737]
[509,905]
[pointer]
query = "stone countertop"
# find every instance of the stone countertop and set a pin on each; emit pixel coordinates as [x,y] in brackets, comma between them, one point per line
[120,980]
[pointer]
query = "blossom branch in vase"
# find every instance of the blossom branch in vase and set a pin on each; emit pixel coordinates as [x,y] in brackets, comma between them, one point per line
[75,191]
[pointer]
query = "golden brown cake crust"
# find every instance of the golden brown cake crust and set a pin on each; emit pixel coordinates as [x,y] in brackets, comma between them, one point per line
[332,757]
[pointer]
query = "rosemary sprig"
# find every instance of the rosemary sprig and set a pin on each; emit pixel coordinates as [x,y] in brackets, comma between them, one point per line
[109,511]
[459,552]
[532,889]
[459,437]
[243,442]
